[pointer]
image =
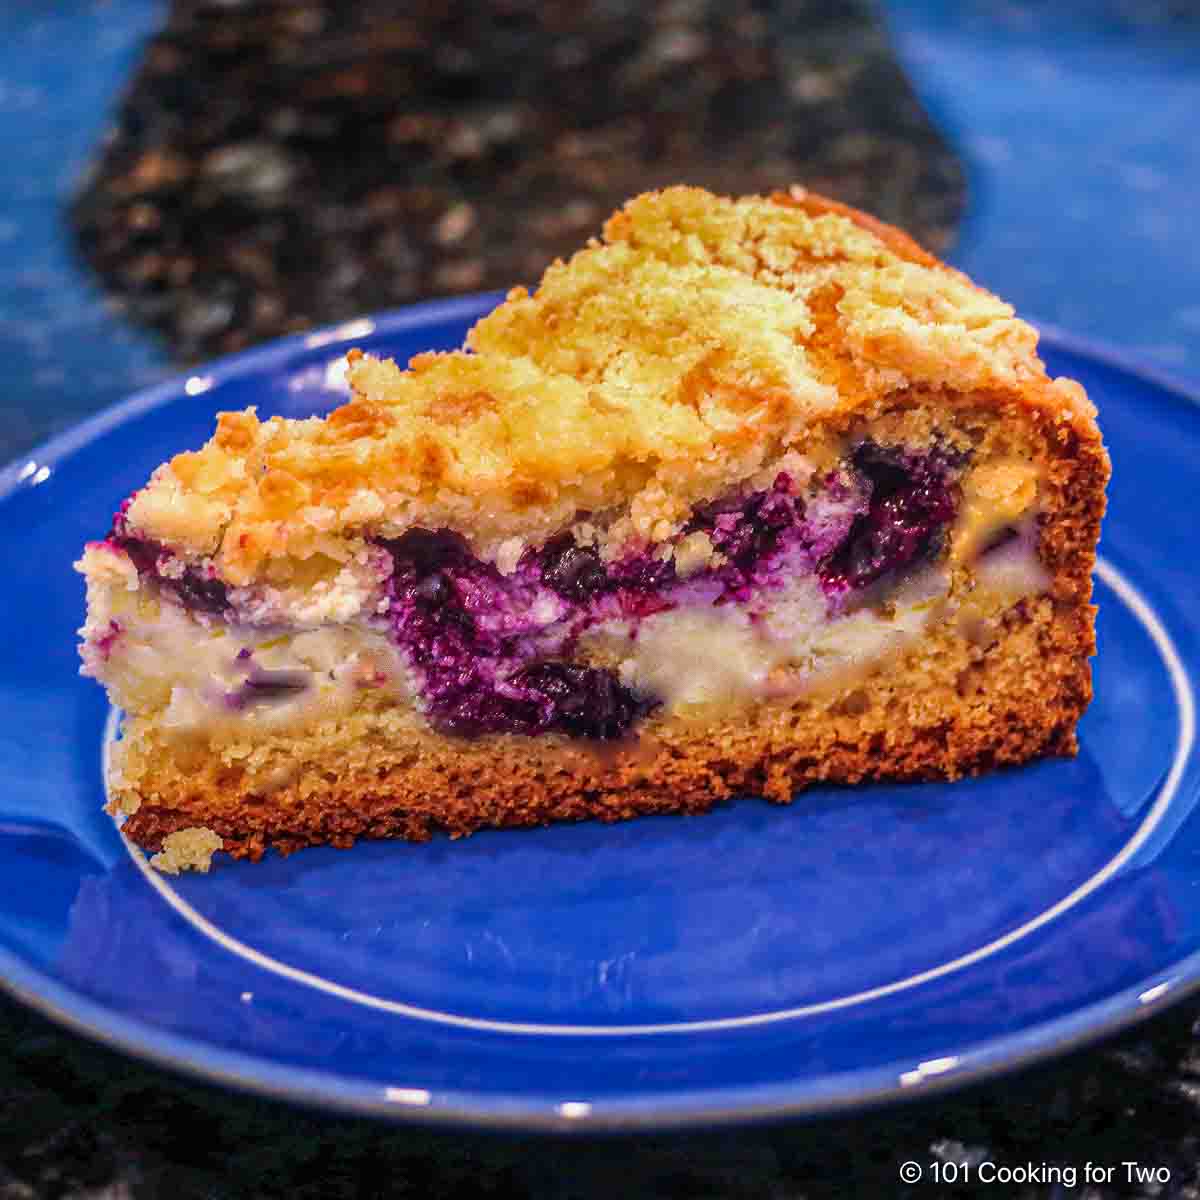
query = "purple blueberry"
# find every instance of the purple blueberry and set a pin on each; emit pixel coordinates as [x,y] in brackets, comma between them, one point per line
[746,530]
[913,499]
[573,571]
[465,627]
[193,589]
[199,594]
[585,702]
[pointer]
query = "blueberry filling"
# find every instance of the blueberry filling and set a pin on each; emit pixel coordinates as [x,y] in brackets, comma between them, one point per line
[586,702]
[479,640]
[264,683]
[493,653]
[573,571]
[913,499]
[267,685]
[194,589]
[747,532]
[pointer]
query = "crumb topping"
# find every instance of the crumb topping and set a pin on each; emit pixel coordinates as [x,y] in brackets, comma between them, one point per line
[699,341]
[187,850]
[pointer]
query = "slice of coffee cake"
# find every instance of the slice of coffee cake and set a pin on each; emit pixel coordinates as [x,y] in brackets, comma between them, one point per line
[749,494]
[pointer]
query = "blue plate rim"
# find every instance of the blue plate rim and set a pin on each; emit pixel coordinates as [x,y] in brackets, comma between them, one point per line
[813,1097]
[807,1097]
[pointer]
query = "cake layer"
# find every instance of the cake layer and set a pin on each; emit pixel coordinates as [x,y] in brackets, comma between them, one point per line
[156,658]
[961,701]
[754,493]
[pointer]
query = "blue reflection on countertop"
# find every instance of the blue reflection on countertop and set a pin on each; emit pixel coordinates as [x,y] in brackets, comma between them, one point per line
[1076,124]
[66,351]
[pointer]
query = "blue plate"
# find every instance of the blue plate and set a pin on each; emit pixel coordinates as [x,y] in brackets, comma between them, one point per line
[861,944]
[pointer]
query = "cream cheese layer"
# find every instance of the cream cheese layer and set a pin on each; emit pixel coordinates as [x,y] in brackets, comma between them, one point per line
[731,655]
[193,672]
[198,675]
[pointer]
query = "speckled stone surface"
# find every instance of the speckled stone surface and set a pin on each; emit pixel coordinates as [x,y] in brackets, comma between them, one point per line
[66,349]
[80,1122]
[1075,127]
[278,167]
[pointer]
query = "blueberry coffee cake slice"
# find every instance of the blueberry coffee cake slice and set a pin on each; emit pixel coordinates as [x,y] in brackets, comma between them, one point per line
[748,494]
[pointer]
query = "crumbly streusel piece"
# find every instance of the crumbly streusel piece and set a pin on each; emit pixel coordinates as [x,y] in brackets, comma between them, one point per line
[187,850]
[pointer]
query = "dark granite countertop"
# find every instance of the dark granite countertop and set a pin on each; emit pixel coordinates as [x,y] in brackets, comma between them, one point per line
[81,1122]
[131,242]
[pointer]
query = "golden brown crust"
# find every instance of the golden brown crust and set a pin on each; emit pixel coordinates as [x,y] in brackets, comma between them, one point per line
[960,704]
[701,339]
[896,240]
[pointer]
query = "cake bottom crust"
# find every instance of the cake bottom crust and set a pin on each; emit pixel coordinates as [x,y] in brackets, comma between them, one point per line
[963,701]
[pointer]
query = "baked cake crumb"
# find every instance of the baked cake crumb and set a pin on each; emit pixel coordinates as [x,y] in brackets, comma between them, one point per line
[188,849]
